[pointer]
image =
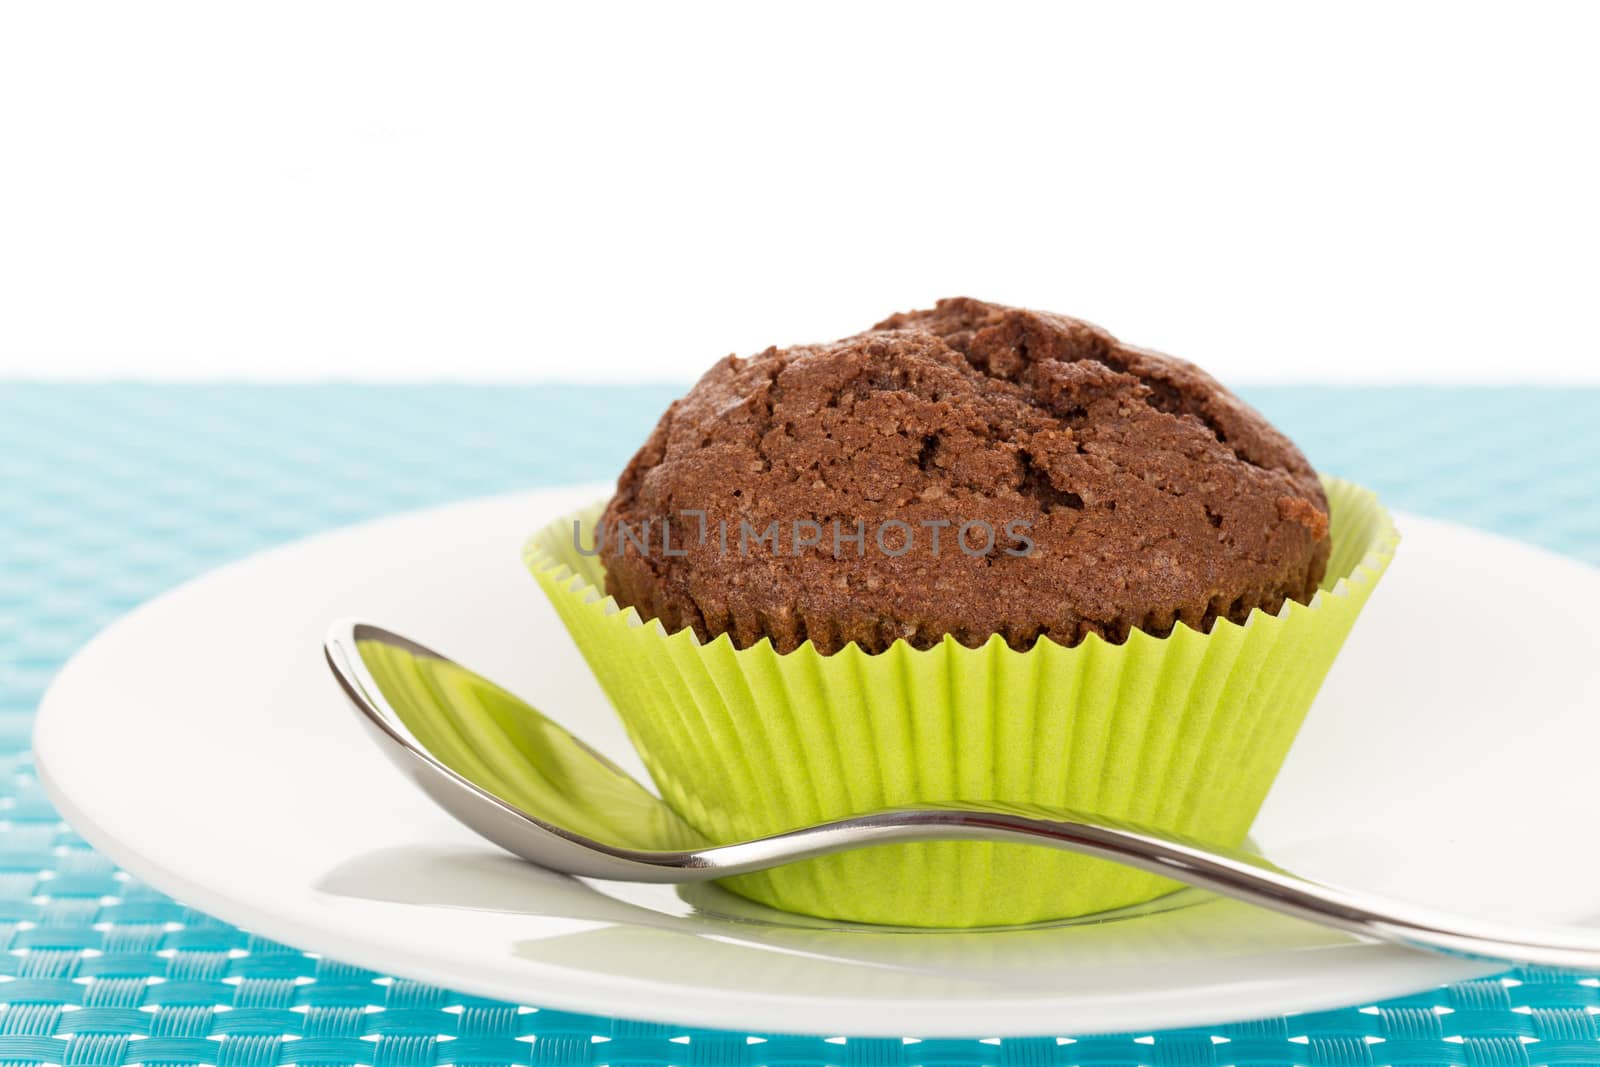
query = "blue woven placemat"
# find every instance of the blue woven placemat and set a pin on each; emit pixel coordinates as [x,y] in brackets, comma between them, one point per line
[111,494]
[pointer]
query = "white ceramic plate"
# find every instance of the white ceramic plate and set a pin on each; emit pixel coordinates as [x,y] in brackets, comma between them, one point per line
[201,743]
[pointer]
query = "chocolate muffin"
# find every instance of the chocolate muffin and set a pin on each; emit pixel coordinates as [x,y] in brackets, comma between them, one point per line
[969,470]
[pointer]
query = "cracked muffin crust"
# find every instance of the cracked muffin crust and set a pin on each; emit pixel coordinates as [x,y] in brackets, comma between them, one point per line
[1121,489]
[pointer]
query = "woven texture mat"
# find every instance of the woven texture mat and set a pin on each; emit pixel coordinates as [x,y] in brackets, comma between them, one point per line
[111,494]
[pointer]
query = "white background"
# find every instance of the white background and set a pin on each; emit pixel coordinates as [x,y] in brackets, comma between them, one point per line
[485,191]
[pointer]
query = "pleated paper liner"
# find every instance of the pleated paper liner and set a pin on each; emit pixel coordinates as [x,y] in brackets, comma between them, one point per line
[1184,732]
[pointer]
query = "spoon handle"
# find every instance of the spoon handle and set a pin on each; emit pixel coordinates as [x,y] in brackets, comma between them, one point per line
[1227,872]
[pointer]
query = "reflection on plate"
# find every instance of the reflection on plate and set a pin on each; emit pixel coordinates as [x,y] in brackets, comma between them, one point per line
[705,934]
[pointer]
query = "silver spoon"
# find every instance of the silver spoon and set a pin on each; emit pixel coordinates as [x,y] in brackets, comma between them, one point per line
[529,786]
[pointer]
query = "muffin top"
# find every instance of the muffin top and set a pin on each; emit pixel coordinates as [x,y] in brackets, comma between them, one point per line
[969,470]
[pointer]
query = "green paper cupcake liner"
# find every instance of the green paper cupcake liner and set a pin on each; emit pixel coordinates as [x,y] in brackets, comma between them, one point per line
[1184,733]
